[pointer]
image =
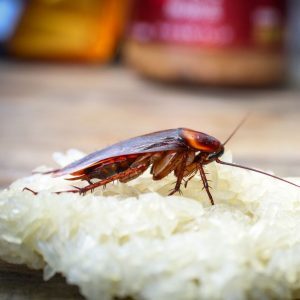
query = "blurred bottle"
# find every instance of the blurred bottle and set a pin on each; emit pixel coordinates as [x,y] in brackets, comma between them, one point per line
[10,11]
[84,30]
[219,42]
[294,41]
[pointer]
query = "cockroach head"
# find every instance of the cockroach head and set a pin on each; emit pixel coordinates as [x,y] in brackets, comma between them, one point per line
[214,155]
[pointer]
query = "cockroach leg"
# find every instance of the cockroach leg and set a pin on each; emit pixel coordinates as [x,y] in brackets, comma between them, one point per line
[205,184]
[118,176]
[175,190]
[191,177]
[45,173]
[164,165]
[76,190]
[180,175]
[30,190]
[90,182]
[81,191]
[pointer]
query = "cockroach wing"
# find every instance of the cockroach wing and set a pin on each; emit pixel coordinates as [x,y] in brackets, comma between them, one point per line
[153,142]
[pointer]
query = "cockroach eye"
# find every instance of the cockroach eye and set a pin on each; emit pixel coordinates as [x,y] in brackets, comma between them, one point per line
[214,155]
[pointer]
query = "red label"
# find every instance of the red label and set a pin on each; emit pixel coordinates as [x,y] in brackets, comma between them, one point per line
[210,23]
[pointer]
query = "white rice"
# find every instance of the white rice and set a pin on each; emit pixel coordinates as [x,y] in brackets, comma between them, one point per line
[133,240]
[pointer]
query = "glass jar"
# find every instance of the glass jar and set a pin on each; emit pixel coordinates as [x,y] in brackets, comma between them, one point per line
[77,30]
[215,42]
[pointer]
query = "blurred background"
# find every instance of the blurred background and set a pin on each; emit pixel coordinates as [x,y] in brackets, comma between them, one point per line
[87,73]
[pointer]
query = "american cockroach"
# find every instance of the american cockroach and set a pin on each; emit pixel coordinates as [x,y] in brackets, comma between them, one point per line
[185,152]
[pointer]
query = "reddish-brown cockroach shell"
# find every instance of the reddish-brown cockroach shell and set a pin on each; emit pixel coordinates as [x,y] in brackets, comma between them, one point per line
[181,151]
[200,141]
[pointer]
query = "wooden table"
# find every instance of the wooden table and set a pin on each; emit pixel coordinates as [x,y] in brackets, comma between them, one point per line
[47,108]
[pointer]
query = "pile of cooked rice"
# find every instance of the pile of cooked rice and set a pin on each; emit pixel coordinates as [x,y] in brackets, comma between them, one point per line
[133,240]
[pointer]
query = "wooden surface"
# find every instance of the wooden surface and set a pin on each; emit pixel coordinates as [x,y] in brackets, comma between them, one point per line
[47,108]
[19,283]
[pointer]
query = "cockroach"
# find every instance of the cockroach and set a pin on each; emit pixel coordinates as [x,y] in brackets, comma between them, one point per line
[183,151]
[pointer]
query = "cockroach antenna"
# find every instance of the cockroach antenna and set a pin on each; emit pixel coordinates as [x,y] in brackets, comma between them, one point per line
[237,128]
[244,167]
[255,170]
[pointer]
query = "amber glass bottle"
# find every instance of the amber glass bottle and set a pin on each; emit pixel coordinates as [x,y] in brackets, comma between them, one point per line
[80,30]
[218,42]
